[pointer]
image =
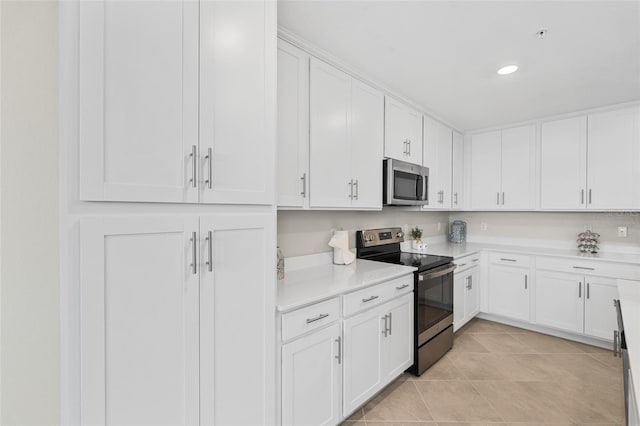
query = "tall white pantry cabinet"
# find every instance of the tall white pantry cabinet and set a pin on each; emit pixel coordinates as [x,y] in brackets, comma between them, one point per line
[167,134]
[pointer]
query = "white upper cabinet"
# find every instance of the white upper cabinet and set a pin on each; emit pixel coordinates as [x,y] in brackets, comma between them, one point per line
[591,162]
[402,132]
[138,100]
[613,166]
[437,156]
[502,165]
[563,165]
[176,101]
[457,172]
[237,101]
[485,171]
[367,133]
[346,130]
[293,126]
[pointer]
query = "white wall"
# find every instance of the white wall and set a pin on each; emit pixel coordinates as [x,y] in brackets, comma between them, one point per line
[553,226]
[29,213]
[308,232]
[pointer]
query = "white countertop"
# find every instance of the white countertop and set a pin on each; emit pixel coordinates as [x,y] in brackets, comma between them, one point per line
[460,250]
[629,294]
[310,285]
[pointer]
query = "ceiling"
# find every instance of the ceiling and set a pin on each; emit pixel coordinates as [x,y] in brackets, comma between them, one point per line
[444,55]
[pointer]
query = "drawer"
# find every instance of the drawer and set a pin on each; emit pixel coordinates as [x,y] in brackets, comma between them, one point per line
[467,262]
[589,267]
[510,259]
[306,319]
[375,295]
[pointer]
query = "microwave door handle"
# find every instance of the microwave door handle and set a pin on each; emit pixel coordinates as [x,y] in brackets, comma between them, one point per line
[425,191]
[419,186]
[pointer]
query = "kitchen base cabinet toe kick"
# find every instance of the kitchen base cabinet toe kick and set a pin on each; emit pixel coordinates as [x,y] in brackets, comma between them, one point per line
[332,364]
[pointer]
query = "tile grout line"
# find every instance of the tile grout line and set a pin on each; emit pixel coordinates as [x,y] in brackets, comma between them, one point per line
[423,401]
[488,402]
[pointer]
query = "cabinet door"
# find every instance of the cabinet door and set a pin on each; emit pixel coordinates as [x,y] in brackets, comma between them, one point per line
[395,133]
[238,56]
[367,141]
[397,345]
[437,146]
[612,163]
[457,184]
[563,167]
[237,326]
[293,126]
[472,295]
[599,313]
[330,162]
[311,379]
[509,292]
[560,300]
[139,316]
[485,171]
[518,162]
[138,100]
[414,136]
[362,358]
[460,283]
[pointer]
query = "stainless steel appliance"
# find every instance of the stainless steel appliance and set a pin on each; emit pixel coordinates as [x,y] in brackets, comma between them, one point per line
[433,292]
[620,349]
[404,184]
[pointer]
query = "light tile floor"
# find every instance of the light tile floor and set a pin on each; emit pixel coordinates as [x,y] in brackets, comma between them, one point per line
[500,375]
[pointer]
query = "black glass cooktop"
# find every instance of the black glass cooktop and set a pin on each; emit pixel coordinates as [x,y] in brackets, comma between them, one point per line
[421,261]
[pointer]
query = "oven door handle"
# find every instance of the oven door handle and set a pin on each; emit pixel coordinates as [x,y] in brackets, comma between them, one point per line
[444,270]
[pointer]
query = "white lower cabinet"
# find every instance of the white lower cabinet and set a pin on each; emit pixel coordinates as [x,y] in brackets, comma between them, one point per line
[466,296]
[312,378]
[160,327]
[577,303]
[509,291]
[378,348]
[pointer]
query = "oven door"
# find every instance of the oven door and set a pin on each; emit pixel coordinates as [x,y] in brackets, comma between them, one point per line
[434,302]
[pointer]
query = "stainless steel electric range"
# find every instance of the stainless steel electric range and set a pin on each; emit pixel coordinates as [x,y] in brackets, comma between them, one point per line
[433,292]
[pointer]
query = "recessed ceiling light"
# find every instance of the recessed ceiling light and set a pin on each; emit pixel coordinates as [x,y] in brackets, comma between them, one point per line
[508,69]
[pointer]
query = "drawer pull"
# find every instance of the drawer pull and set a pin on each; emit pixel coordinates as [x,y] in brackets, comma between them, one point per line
[402,287]
[462,265]
[475,260]
[318,318]
[369,299]
[508,260]
[585,268]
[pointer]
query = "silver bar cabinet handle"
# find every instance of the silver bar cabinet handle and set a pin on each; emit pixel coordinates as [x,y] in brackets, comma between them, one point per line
[584,267]
[409,145]
[210,247]
[351,189]
[369,299]
[582,196]
[318,318]
[357,188]
[615,343]
[503,198]
[471,282]
[404,144]
[209,159]
[339,356]
[455,198]
[589,195]
[194,253]
[579,289]
[390,323]
[402,287]
[193,155]
[497,198]
[587,290]
[508,260]
[384,330]
[304,185]
[526,279]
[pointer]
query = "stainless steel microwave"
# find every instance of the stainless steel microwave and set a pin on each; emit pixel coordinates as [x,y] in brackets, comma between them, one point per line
[404,184]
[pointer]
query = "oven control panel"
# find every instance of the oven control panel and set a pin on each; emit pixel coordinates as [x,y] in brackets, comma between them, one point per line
[378,237]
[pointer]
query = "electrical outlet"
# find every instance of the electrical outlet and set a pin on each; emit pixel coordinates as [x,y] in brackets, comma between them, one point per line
[622,231]
[483,226]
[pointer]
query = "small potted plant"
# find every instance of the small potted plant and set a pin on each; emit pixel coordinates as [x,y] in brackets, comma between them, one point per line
[416,237]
